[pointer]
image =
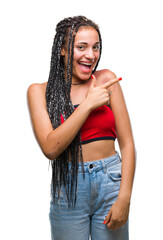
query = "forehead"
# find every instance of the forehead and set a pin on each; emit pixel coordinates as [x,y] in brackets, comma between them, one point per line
[87,34]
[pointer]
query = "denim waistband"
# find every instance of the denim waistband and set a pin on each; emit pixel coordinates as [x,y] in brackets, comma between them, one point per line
[98,165]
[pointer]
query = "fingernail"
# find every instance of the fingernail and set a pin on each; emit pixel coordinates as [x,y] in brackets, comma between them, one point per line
[104,222]
[92,76]
[120,79]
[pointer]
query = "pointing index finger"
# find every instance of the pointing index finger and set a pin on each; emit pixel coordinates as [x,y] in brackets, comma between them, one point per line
[111,82]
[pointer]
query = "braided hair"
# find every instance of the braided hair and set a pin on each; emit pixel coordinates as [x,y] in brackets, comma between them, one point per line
[59,103]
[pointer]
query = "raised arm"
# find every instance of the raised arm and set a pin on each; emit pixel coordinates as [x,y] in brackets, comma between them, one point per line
[54,142]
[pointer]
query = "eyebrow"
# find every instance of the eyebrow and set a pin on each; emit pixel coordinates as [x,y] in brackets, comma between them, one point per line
[85,43]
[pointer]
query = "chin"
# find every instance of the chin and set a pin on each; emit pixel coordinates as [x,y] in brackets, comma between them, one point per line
[84,77]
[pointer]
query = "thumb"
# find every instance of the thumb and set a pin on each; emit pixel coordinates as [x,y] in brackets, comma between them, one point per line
[93,81]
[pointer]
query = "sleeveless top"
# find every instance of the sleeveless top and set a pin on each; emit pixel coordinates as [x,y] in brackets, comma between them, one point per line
[100,125]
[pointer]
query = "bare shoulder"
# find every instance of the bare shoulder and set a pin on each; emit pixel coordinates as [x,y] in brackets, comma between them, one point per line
[104,76]
[36,88]
[36,96]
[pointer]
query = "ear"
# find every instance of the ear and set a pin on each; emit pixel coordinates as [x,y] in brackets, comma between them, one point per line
[62,52]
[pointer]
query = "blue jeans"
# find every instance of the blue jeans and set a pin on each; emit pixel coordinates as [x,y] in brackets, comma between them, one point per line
[95,196]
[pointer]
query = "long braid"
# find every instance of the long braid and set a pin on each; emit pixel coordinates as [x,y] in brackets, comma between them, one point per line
[59,103]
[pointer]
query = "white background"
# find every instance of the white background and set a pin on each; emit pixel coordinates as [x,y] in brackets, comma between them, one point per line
[132,48]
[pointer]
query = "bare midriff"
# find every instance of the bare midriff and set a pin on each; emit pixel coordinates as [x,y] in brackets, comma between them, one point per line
[98,150]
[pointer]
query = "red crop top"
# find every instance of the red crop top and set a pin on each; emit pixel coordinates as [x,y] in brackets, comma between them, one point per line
[100,125]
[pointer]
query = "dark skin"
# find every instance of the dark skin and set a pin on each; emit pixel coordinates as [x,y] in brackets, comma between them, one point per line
[90,94]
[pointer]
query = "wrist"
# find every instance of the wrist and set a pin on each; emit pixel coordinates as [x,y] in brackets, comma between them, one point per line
[124,197]
[87,105]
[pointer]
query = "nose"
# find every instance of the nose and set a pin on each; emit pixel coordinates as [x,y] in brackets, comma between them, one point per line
[90,54]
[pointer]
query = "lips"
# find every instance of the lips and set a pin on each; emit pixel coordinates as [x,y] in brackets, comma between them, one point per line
[85,66]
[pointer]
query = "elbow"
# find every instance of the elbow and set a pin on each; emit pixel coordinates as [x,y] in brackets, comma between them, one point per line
[128,148]
[50,156]
[52,148]
[51,153]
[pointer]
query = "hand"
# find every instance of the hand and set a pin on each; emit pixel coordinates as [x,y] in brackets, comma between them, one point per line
[118,214]
[98,96]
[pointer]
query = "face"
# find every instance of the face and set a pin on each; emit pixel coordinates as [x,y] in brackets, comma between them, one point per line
[86,53]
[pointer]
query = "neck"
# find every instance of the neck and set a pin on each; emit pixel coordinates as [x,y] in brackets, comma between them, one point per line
[81,82]
[76,83]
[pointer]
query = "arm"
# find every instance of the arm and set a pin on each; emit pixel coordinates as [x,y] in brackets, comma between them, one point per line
[52,142]
[118,214]
[125,140]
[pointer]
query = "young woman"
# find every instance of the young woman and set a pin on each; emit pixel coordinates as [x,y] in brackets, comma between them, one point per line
[76,117]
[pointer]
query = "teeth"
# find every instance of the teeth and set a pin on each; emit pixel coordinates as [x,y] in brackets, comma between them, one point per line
[87,64]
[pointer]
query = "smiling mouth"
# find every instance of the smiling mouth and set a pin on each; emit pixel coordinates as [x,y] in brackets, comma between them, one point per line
[85,66]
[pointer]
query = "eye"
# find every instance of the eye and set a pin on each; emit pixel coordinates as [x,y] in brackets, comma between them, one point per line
[96,47]
[81,47]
